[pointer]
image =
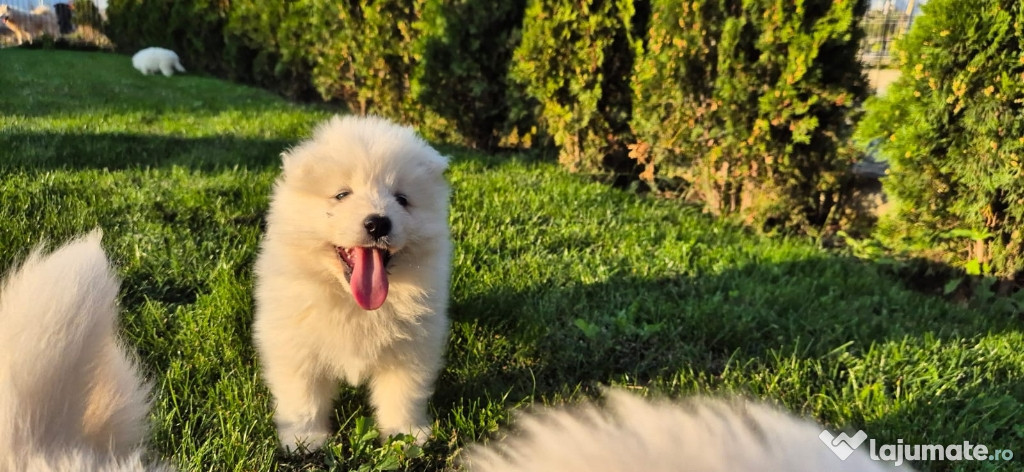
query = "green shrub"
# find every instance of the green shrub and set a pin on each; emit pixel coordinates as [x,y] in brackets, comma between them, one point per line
[191,28]
[951,128]
[356,54]
[267,44]
[248,41]
[134,24]
[197,30]
[464,49]
[747,105]
[680,53]
[362,54]
[573,58]
[86,13]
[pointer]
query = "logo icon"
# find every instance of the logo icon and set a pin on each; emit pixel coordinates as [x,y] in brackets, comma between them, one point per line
[842,446]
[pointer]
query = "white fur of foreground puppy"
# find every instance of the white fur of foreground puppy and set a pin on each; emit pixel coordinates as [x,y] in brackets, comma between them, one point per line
[352,278]
[153,60]
[71,398]
[634,434]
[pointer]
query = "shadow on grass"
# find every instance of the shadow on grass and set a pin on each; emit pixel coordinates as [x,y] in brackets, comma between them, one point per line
[116,151]
[548,342]
[43,151]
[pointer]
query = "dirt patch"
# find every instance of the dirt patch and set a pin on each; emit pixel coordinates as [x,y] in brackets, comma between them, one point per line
[881,78]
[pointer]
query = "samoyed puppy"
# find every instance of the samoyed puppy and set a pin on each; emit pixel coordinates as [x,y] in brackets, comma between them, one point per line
[352,278]
[631,433]
[71,397]
[153,60]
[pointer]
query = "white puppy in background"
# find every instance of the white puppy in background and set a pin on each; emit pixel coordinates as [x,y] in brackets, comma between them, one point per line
[352,278]
[71,398]
[634,434]
[153,60]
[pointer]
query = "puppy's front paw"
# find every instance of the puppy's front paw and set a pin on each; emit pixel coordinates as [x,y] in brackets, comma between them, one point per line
[421,433]
[301,440]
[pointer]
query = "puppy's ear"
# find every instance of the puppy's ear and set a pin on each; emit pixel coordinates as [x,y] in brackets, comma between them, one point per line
[293,160]
[288,161]
[435,164]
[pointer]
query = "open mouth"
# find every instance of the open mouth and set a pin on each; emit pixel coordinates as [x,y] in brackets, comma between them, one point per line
[367,274]
[346,256]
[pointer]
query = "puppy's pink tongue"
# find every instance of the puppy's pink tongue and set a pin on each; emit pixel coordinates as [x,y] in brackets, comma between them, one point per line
[369,281]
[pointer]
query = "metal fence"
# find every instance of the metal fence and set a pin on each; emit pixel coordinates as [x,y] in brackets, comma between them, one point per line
[882,28]
[29,21]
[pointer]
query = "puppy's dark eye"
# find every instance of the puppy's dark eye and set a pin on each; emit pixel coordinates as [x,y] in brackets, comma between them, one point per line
[402,200]
[342,194]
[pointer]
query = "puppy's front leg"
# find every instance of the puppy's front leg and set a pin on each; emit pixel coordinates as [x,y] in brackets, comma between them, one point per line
[399,394]
[302,403]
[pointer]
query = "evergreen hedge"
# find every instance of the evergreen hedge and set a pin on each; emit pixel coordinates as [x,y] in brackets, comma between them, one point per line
[192,28]
[362,54]
[748,106]
[952,130]
[463,52]
[570,63]
[263,46]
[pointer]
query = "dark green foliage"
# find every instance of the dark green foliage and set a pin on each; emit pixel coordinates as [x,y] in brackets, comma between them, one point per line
[133,25]
[253,51]
[197,30]
[573,62]
[682,53]
[86,13]
[362,54]
[747,104]
[464,50]
[248,41]
[439,64]
[952,129]
[191,28]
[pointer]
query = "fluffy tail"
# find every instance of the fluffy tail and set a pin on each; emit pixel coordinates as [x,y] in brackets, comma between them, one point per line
[711,435]
[67,383]
[178,66]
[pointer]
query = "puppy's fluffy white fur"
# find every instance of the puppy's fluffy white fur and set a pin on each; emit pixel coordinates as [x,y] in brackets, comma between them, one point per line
[310,330]
[632,434]
[153,60]
[71,398]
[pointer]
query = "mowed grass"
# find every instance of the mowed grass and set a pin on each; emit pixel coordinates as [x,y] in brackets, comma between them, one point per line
[560,285]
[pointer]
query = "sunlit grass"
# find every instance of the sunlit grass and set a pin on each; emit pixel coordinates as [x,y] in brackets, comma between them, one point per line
[560,285]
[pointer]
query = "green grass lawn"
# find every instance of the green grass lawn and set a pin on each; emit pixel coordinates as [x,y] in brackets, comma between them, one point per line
[560,285]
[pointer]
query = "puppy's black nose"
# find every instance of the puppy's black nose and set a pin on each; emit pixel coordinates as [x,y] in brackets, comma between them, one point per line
[378,226]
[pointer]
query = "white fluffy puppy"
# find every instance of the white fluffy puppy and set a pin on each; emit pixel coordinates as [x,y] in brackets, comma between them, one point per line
[153,60]
[633,434]
[352,277]
[71,398]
